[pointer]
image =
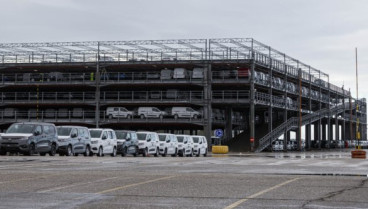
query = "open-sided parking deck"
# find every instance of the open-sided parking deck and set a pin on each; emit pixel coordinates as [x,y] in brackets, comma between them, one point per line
[254,89]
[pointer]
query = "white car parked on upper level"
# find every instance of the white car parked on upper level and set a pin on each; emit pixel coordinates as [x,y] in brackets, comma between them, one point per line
[185,145]
[119,112]
[148,143]
[168,145]
[103,141]
[200,146]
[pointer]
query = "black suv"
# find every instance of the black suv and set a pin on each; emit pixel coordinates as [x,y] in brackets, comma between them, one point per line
[127,142]
[30,138]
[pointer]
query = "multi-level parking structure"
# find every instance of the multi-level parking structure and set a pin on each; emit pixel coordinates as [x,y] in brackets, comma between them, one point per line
[252,91]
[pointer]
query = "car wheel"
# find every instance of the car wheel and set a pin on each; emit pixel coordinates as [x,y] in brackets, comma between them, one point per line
[129,116]
[87,152]
[161,116]
[124,152]
[165,153]
[145,152]
[199,152]
[69,151]
[113,154]
[157,152]
[53,150]
[100,152]
[205,154]
[142,116]
[31,150]
[110,116]
[136,152]
[195,116]
[176,116]
[175,154]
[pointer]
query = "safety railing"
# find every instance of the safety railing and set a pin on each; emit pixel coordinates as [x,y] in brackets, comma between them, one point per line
[292,123]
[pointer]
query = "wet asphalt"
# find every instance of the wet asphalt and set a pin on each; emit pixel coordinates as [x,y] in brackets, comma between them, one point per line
[323,179]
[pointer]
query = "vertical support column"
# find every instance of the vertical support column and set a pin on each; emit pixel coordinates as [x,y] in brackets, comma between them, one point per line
[270,109]
[337,129]
[330,131]
[316,139]
[285,107]
[308,136]
[251,109]
[97,99]
[324,136]
[229,124]
[207,108]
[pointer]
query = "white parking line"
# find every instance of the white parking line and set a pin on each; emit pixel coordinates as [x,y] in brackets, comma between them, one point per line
[133,185]
[74,185]
[237,203]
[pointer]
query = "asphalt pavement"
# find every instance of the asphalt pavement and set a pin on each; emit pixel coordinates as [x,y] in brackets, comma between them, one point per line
[324,179]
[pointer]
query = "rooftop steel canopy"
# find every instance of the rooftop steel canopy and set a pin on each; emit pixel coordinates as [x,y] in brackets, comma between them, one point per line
[156,50]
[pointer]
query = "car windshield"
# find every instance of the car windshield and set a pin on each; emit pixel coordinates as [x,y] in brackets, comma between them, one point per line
[180,138]
[95,133]
[20,129]
[195,139]
[141,136]
[63,131]
[162,137]
[121,134]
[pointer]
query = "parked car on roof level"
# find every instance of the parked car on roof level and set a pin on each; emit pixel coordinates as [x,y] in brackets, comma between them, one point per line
[30,138]
[73,140]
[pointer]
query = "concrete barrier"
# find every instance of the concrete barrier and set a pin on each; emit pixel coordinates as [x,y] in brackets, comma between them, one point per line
[220,149]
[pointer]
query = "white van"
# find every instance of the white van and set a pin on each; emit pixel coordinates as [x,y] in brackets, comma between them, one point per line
[150,112]
[180,73]
[184,112]
[103,141]
[185,145]
[118,112]
[198,73]
[168,145]
[148,143]
[200,145]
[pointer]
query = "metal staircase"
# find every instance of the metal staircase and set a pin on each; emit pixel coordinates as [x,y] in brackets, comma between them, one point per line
[292,123]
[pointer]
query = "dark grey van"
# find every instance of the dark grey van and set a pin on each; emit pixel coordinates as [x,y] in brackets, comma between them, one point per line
[127,142]
[30,138]
[73,140]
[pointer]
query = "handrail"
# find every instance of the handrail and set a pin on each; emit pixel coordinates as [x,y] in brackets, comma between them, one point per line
[292,122]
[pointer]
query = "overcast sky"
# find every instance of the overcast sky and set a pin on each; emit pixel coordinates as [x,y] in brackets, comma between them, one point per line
[320,33]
